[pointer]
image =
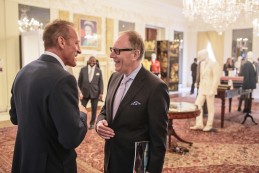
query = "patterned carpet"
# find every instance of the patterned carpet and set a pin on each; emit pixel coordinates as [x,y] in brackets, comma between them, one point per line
[232,149]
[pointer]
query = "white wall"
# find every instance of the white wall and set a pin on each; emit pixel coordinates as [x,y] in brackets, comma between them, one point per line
[141,12]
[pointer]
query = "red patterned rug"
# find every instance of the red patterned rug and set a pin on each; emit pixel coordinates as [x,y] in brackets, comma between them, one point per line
[232,149]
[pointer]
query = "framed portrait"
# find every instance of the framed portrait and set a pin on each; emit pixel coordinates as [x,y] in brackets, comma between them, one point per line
[124,26]
[89,30]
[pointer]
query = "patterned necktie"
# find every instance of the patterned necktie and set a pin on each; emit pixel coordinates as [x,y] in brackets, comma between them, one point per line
[119,95]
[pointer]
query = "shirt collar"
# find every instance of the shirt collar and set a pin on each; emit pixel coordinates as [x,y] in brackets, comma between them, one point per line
[57,57]
[133,74]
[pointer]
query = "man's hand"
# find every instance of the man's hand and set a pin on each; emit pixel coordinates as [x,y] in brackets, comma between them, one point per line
[82,109]
[101,97]
[80,96]
[103,130]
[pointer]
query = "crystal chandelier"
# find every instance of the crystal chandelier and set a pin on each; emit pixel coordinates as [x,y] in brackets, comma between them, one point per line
[217,13]
[251,9]
[26,25]
[251,6]
[256,27]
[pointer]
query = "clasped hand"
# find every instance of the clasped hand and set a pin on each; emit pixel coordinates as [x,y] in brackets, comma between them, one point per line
[103,130]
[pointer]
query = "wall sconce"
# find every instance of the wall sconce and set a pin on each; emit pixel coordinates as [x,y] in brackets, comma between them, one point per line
[26,25]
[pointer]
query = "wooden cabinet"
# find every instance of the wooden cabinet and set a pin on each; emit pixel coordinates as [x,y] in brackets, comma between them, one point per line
[150,47]
[168,55]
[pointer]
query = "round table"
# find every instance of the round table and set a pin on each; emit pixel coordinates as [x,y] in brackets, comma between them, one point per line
[180,110]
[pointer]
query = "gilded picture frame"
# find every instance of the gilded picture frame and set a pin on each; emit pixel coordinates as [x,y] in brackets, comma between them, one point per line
[89,30]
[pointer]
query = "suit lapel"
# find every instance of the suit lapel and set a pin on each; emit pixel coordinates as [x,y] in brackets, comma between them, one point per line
[113,88]
[94,75]
[136,85]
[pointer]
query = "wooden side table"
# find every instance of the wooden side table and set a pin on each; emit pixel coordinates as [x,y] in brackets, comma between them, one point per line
[180,110]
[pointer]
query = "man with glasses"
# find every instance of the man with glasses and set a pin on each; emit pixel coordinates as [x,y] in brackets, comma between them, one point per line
[135,109]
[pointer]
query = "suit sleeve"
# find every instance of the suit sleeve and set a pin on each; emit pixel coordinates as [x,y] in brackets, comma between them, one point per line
[102,115]
[101,82]
[69,121]
[12,111]
[224,67]
[80,80]
[158,121]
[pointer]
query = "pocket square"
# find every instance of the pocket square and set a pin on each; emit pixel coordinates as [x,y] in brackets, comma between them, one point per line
[135,103]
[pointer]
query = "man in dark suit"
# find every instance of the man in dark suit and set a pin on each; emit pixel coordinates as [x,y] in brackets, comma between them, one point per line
[90,82]
[141,114]
[248,71]
[45,106]
[194,74]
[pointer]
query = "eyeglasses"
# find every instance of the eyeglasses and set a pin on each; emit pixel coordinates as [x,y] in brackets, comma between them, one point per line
[118,51]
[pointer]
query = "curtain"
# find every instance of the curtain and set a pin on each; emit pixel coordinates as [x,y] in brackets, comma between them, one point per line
[216,41]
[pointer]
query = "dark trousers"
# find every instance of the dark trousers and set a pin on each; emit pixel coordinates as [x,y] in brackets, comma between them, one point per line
[94,103]
[193,83]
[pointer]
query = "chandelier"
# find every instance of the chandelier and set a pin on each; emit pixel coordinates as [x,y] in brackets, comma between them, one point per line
[217,13]
[256,27]
[26,25]
[252,9]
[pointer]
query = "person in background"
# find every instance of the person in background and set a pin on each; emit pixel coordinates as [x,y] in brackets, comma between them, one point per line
[250,79]
[208,83]
[194,74]
[155,65]
[90,82]
[228,66]
[45,106]
[97,64]
[256,63]
[238,65]
[70,70]
[135,109]
[240,72]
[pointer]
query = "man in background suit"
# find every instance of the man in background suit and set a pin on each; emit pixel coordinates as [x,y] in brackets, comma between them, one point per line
[44,105]
[256,63]
[248,71]
[90,82]
[194,74]
[141,114]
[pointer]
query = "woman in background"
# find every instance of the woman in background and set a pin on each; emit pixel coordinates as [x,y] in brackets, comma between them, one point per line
[228,66]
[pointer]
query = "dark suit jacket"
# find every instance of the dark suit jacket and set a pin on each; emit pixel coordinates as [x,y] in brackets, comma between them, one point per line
[250,75]
[90,89]
[194,69]
[141,116]
[44,104]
